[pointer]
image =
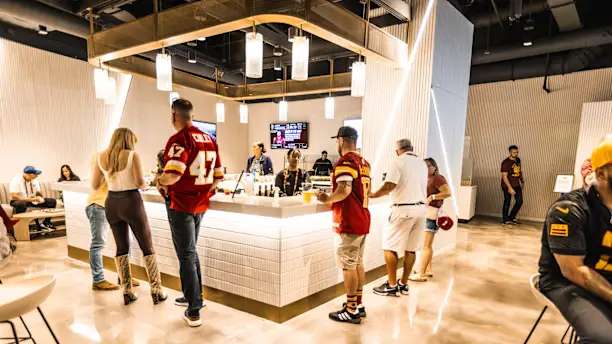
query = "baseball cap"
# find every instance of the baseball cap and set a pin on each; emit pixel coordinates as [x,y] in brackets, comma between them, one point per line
[346,132]
[31,170]
[602,154]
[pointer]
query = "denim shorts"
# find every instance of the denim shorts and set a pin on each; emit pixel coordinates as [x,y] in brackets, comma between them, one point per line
[431,226]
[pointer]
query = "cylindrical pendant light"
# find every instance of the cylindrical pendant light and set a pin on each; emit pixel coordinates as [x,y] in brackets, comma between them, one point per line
[358,79]
[220,109]
[163,67]
[172,96]
[283,110]
[101,83]
[299,58]
[244,113]
[254,55]
[111,95]
[330,107]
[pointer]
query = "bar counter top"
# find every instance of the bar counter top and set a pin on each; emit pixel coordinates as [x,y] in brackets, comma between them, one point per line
[284,207]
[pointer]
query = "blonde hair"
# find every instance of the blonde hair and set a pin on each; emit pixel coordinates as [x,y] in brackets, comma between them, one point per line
[122,139]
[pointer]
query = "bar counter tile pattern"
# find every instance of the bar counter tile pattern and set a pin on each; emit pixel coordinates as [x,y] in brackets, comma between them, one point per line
[271,260]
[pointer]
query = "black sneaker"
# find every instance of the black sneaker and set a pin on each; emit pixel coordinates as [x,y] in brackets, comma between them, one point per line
[403,288]
[344,315]
[360,310]
[386,290]
[192,320]
[507,222]
[515,221]
[182,302]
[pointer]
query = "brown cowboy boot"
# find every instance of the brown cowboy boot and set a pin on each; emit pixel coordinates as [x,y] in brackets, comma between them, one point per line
[157,293]
[125,278]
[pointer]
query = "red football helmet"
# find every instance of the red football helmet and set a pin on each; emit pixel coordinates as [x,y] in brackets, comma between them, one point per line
[445,222]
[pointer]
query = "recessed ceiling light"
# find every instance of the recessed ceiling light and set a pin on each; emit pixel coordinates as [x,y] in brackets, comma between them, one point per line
[487,52]
[529,28]
[42,30]
[527,43]
[201,39]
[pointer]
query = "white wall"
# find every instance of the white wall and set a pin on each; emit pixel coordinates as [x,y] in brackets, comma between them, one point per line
[311,111]
[49,115]
[595,123]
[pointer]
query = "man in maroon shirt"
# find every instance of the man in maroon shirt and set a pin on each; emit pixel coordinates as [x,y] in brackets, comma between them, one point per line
[512,183]
[349,200]
[192,169]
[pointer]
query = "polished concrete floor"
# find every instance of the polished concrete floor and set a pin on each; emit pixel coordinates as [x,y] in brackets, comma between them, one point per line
[479,294]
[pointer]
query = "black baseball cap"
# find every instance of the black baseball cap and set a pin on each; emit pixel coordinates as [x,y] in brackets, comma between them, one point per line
[346,132]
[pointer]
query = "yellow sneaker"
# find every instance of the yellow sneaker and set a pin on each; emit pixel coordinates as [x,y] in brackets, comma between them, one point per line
[104,285]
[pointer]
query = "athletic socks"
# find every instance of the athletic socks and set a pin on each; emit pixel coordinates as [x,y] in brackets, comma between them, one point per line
[359,295]
[351,303]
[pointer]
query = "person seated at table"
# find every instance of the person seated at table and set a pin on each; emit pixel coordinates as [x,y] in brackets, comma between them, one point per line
[323,166]
[26,193]
[290,179]
[66,175]
[259,163]
[576,258]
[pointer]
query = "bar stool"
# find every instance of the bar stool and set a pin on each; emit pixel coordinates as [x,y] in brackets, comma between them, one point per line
[534,285]
[19,297]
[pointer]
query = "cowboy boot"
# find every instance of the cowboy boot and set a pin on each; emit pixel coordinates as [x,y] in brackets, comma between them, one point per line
[125,278]
[157,293]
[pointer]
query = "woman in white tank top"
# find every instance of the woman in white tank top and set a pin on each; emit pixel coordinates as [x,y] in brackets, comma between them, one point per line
[120,166]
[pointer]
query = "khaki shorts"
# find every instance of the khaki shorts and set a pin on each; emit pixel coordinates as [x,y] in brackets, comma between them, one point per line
[349,250]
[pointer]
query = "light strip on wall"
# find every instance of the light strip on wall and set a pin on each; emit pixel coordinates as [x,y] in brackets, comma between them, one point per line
[400,90]
[449,175]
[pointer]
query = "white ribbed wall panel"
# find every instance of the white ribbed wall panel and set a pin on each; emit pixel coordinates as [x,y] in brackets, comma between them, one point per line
[595,123]
[49,115]
[544,126]
[396,103]
[398,30]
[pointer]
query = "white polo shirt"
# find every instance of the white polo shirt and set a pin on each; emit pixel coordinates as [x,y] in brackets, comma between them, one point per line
[20,185]
[409,173]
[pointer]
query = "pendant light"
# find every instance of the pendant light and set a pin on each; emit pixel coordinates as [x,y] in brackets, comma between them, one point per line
[244,109]
[300,57]
[283,106]
[358,76]
[219,107]
[172,96]
[101,83]
[163,67]
[254,54]
[329,101]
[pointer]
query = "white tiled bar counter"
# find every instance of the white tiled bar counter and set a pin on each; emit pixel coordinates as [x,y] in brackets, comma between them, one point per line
[275,253]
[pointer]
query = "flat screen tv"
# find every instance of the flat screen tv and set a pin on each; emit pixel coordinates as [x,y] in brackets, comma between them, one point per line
[289,135]
[207,127]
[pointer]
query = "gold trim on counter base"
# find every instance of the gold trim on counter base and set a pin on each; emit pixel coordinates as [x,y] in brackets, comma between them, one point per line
[260,309]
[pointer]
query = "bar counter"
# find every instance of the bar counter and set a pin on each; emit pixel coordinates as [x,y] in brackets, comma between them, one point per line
[272,258]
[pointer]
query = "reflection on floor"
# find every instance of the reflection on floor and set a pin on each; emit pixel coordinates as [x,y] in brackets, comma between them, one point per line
[479,294]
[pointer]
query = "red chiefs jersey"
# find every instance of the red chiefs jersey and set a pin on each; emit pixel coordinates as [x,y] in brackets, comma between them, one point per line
[194,156]
[351,215]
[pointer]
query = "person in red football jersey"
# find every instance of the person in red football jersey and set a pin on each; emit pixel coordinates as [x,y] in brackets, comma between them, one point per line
[349,200]
[192,169]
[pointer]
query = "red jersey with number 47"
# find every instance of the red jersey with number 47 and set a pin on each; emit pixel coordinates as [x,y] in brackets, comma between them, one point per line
[194,156]
[351,215]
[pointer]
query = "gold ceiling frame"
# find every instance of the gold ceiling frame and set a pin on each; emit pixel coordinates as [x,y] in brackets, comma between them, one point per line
[116,47]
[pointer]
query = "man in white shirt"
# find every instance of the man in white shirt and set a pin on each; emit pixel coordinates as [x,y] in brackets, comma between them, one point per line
[26,193]
[406,182]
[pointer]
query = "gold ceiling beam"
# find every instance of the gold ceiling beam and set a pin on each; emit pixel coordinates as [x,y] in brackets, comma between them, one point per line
[265,90]
[207,18]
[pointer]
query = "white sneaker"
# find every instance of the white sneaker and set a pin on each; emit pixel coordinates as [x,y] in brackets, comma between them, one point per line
[191,320]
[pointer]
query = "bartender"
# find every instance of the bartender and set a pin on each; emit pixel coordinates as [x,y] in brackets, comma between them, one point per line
[290,179]
[259,163]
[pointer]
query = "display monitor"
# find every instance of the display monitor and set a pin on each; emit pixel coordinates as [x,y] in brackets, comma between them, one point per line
[207,127]
[289,135]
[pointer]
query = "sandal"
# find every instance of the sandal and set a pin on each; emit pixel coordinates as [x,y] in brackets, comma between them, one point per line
[417,278]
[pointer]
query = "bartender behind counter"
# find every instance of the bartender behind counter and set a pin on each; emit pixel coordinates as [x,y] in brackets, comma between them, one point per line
[290,179]
[259,163]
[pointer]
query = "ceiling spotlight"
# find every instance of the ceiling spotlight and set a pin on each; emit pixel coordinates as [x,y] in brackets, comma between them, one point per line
[291,32]
[277,51]
[42,30]
[201,39]
[191,57]
[192,43]
[527,43]
[487,52]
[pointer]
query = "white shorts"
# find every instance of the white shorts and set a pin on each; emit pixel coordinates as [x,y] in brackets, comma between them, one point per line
[404,230]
